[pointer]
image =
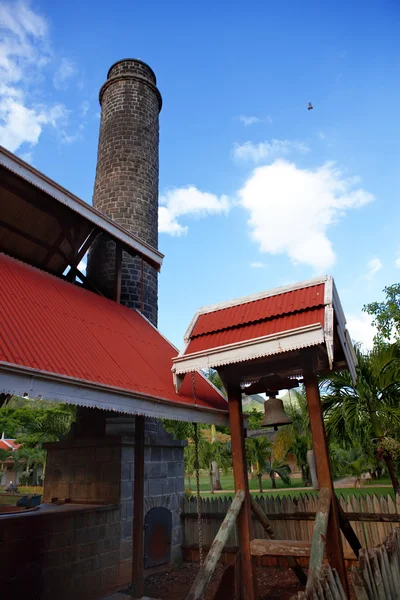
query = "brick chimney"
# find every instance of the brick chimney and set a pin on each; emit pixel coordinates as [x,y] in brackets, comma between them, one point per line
[126,186]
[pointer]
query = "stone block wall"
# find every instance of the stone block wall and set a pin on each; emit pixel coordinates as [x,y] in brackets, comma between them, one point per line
[101,470]
[64,553]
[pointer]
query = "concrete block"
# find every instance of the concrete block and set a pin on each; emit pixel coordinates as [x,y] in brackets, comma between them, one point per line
[126,490]
[167,454]
[126,529]
[156,487]
[168,486]
[156,470]
[156,454]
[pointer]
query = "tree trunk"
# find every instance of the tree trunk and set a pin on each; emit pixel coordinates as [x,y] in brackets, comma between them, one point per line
[189,482]
[313,469]
[393,476]
[217,476]
[272,475]
[259,475]
[211,481]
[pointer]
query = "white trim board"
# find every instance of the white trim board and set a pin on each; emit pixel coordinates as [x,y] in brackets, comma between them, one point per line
[36,384]
[294,339]
[39,180]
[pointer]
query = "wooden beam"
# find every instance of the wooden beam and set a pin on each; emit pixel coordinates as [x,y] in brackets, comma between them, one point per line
[347,529]
[207,570]
[118,273]
[82,251]
[280,548]
[319,537]
[249,582]
[334,546]
[266,525]
[138,512]
[35,240]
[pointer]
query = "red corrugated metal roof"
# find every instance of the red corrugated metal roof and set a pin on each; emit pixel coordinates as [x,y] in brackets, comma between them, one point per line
[257,318]
[56,327]
[255,330]
[257,310]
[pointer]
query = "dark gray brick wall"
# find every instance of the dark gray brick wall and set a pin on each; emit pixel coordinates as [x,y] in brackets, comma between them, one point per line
[126,186]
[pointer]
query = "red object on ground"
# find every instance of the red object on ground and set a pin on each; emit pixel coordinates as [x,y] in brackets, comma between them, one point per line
[57,327]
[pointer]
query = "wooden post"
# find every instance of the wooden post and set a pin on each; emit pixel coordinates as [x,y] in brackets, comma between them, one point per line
[249,582]
[207,569]
[319,537]
[138,512]
[118,273]
[334,546]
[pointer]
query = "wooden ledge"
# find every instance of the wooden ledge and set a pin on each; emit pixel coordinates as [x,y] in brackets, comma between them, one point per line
[280,548]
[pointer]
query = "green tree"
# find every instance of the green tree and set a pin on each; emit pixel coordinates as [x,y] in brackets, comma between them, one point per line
[367,413]
[274,468]
[210,452]
[297,437]
[189,461]
[386,314]
[258,452]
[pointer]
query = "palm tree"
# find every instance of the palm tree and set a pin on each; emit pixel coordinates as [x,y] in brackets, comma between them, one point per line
[210,452]
[297,438]
[190,461]
[258,452]
[367,413]
[274,468]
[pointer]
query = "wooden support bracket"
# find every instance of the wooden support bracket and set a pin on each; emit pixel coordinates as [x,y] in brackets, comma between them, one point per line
[207,570]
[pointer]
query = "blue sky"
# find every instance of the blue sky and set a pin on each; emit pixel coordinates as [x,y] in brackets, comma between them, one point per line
[256,190]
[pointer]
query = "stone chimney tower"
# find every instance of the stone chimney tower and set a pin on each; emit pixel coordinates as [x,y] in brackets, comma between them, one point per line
[126,186]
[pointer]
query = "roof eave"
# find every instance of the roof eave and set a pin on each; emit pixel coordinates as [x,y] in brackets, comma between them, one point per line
[20,380]
[45,184]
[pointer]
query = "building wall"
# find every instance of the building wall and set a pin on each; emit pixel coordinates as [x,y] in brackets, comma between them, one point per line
[101,470]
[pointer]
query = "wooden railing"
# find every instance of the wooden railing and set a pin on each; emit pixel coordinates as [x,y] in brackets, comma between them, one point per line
[372,519]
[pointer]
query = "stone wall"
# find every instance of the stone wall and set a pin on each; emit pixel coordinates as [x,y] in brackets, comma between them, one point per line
[101,470]
[65,552]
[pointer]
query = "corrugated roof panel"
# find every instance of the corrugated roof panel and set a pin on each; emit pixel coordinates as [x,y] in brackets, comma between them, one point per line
[54,326]
[264,308]
[256,330]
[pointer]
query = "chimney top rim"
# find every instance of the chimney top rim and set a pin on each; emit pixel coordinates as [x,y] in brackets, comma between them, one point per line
[134,60]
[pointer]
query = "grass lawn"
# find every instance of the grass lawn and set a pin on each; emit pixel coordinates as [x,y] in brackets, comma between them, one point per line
[283,490]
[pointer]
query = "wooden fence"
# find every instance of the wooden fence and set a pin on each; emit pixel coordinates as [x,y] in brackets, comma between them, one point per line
[372,519]
[378,577]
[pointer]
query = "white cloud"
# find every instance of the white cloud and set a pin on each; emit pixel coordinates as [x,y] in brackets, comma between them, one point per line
[85,108]
[361,330]
[252,120]
[188,201]
[24,56]
[65,72]
[257,265]
[290,209]
[322,135]
[397,262]
[266,150]
[374,265]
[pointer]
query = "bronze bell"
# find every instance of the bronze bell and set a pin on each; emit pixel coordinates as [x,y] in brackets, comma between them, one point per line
[274,414]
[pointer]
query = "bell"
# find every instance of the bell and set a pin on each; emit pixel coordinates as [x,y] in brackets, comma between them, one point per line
[274,415]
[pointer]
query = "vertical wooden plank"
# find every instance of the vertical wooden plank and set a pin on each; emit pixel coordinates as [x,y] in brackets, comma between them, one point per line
[319,537]
[334,546]
[241,483]
[118,272]
[138,511]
